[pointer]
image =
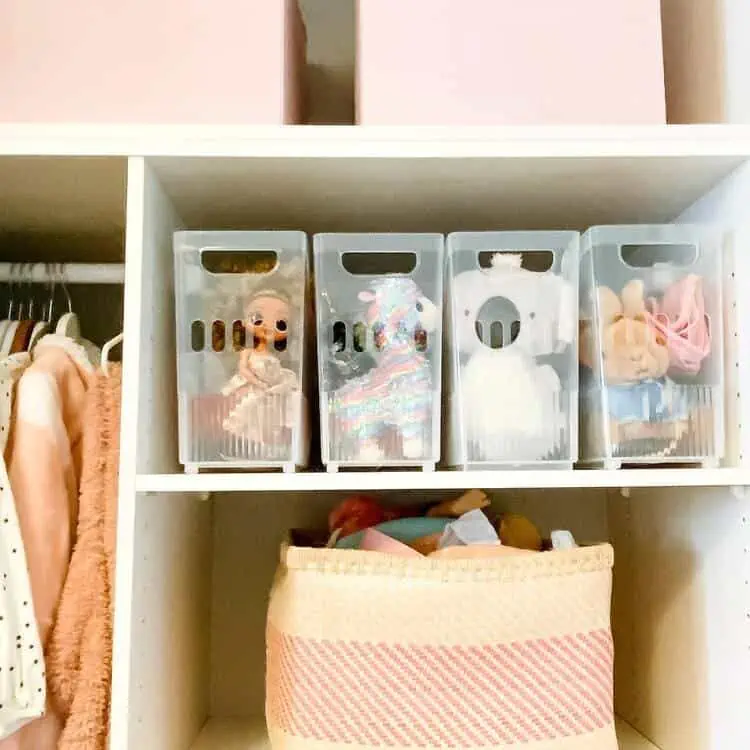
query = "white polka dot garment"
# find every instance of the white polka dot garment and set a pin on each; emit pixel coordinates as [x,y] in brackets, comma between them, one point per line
[22,679]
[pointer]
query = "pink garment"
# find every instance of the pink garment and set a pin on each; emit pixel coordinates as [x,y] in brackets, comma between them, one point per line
[44,465]
[79,652]
[681,318]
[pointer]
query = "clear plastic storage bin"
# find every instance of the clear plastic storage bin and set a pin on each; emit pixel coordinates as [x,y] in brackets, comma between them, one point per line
[241,306]
[379,309]
[652,381]
[512,377]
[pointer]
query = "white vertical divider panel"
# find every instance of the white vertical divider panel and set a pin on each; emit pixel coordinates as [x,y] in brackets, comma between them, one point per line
[160,659]
[121,657]
[681,615]
[727,206]
[157,398]
[170,632]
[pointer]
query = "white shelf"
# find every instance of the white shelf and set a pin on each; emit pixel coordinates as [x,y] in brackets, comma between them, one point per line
[440,480]
[239,734]
[344,178]
[381,142]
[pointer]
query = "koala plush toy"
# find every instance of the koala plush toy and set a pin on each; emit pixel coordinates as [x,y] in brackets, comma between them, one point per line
[513,407]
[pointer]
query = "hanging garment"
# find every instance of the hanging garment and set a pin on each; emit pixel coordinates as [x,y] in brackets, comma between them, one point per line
[22,679]
[44,465]
[79,655]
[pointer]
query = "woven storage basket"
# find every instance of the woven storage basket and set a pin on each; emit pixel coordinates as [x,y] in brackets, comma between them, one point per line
[369,650]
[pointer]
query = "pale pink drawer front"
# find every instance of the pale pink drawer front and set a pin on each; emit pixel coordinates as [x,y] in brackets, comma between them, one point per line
[509,62]
[170,61]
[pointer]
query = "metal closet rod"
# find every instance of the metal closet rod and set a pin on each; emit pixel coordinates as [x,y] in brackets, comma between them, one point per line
[70,273]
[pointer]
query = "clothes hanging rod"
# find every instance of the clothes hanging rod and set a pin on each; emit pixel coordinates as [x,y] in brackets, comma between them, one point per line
[70,273]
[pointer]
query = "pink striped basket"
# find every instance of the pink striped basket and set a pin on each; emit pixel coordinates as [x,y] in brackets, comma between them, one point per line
[366,650]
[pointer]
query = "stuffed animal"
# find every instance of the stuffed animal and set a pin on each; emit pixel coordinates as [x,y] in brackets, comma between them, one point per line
[631,349]
[646,411]
[511,403]
[396,395]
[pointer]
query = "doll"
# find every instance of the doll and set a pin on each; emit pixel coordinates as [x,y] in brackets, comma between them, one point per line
[263,410]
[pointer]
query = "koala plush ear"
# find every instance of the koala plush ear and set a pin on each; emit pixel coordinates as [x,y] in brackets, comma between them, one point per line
[366,297]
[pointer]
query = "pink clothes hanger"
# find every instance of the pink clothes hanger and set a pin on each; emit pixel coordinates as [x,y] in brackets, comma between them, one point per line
[681,318]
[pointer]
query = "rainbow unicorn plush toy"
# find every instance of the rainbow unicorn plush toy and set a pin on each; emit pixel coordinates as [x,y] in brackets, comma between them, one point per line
[388,411]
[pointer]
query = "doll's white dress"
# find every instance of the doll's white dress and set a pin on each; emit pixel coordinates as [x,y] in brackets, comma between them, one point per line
[263,413]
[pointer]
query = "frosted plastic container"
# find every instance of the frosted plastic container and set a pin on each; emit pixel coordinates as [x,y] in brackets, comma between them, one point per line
[652,380]
[228,62]
[509,62]
[241,301]
[379,310]
[512,374]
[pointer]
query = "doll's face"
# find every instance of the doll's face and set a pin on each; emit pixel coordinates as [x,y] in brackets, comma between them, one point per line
[268,320]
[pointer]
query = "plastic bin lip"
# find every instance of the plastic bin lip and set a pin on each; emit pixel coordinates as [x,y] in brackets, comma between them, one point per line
[421,244]
[192,240]
[651,234]
[358,242]
[561,235]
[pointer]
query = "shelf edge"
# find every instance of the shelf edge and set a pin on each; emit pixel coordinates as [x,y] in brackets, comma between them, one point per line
[440,480]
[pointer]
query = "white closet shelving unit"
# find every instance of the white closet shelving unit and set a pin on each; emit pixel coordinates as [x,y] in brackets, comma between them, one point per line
[196,552]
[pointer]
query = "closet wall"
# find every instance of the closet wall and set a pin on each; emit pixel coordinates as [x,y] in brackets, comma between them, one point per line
[65,210]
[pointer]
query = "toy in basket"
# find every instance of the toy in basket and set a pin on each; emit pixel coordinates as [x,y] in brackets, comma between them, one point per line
[393,399]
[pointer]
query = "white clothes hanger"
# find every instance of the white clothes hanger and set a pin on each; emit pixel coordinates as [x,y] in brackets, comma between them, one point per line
[5,323]
[3,329]
[10,333]
[68,325]
[106,349]
[11,322]
[41,327]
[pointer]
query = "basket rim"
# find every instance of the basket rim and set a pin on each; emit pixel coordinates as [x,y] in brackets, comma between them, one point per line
[550,564]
